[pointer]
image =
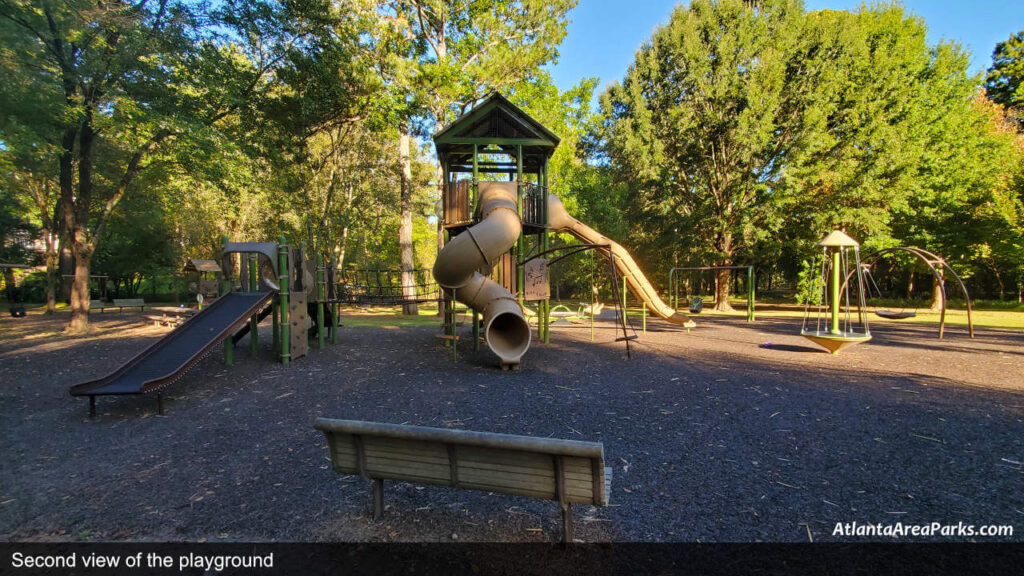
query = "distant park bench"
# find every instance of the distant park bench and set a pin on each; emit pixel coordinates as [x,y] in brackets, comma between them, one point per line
[567,471]
[98,305]
[122,303]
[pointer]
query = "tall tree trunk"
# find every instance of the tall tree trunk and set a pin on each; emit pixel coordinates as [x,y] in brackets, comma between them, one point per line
[936,291]
[65,271]
[722,290]
[81,251]
[409,308]
[725,248]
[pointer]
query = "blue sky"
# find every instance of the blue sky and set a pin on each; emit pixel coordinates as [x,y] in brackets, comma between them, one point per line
[605,34]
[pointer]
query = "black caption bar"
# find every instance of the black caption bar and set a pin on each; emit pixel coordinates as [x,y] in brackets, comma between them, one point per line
[271,559]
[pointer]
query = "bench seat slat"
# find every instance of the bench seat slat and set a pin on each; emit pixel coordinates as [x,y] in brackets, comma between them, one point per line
[376,467]
[407,457]
[506,457]
[485,467]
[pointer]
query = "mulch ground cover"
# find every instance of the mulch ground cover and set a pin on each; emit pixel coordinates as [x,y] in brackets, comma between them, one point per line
[714,435]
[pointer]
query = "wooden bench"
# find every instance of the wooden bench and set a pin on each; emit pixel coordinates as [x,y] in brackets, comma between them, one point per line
[567,471]
[122,303]
[98,305]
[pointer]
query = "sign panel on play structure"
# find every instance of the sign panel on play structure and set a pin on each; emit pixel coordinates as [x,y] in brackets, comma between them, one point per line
[536,272]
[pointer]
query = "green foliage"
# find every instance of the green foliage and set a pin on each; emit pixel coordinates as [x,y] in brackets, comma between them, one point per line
[810,284]
[1003,81]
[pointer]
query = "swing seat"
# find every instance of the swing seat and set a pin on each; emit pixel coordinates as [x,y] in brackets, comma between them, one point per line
[895,315]
[696,305]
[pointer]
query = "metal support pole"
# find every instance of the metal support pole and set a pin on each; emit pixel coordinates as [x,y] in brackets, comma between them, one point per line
[225,288]
[284,274]
[159,404]
[751,288]
[545,244]
[645,318]
[334,322]
[225,280]
[625,290]
[254,322]
[277,326]
[836,261]
[476,330]
[673,292]
[454,323]
[476,180]
[92,406]
[321,295]
[378,498]
[521,241]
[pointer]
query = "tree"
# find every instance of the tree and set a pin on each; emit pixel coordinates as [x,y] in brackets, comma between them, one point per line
[1003,82]
[131,80]
[701,124]
[113,67]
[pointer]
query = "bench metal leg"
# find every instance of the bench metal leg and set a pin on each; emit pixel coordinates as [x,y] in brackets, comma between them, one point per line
[378,498]
[159,404]
[567,534]
[92,406]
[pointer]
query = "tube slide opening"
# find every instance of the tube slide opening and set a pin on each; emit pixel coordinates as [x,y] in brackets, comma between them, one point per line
[508,335]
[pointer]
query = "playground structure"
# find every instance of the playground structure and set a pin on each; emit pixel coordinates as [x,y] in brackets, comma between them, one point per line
[272,279]
[497,229]
[836,330]
[939,269]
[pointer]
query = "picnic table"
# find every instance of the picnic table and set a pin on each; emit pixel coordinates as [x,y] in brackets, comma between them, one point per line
[171,315]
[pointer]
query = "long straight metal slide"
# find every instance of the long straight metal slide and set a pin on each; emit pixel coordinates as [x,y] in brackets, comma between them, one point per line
[162,363]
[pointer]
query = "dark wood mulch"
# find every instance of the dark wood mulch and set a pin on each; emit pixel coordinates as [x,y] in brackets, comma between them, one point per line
[712,436]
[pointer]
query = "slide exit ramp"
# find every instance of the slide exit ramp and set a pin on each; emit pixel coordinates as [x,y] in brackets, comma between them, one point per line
[161,364]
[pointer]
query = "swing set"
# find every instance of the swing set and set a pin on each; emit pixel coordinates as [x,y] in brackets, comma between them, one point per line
[695,302]
[939,269]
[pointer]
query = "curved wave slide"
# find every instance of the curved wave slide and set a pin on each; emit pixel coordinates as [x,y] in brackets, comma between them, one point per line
[457,268]
[560,221]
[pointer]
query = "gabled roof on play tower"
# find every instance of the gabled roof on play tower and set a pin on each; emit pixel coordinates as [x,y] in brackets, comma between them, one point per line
[495,121]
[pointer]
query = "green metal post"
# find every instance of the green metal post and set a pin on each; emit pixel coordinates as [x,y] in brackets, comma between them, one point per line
[254,321]
[225,288]
[476,181]
[277,326]
[673,294]
[476,330]
[225,281]
[521,241]
[835,292]
[545,244]
[645,318]
[321,295]
[334,322]
[751,286]
[334,287]
[284,273]
[455,336]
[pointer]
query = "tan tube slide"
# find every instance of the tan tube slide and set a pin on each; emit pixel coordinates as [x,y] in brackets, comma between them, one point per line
[560,221]
[459,263]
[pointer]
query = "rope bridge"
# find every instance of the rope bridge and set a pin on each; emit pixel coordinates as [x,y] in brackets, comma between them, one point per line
[376,287]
